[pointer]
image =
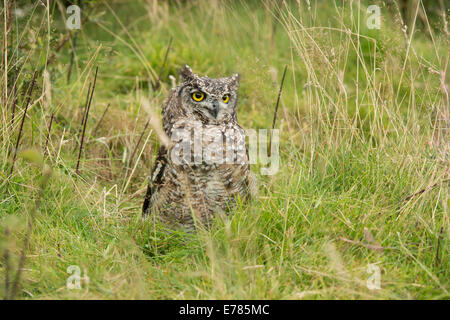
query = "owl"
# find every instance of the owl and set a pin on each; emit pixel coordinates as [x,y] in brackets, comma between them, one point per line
[205,169]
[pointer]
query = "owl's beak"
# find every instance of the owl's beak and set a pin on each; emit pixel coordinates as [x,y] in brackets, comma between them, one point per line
[215,111]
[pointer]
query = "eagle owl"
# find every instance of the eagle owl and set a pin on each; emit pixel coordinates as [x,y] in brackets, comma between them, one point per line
[205,169]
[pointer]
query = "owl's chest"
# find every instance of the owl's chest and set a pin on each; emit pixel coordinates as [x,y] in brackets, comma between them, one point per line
[207,148]
[212,183]
[208,159]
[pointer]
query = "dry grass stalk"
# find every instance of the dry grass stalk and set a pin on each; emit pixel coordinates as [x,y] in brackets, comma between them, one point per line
[13,110]
[155,122]
[7,262]
[23,120]
[158,81]
[361,244]
[15,285]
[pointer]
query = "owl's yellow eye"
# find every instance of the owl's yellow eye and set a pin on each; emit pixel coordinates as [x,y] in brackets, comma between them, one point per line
[198,96]
[226,98]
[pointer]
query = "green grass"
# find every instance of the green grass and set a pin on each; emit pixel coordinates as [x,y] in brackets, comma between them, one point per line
[364,151]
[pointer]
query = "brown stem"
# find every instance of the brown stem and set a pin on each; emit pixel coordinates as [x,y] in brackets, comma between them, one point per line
[101,119]
[48,134]
[419,192]
[138,143]
[437,261]
[276,110]
[84,113]
[72,56]
[23,120]
[85,122]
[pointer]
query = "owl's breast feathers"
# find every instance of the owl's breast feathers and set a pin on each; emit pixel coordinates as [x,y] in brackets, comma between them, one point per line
[201,174]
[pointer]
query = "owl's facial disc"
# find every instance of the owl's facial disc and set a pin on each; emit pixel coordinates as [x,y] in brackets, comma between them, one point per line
[208,99]
[210,106]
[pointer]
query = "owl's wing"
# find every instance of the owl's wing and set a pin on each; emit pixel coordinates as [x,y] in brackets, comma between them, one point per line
[156,179]
[252,182]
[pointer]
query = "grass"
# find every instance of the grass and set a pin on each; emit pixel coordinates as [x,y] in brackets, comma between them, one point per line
[363,119]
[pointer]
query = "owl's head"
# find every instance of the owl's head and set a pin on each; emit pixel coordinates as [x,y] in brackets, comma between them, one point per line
[209,100]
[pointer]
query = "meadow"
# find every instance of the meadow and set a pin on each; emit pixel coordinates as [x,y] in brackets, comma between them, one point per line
[357,210]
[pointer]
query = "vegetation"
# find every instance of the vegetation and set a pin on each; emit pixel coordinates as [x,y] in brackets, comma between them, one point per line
[364,150]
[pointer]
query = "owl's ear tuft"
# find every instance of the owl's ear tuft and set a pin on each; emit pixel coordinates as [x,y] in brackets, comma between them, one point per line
[234,81]
[186,73]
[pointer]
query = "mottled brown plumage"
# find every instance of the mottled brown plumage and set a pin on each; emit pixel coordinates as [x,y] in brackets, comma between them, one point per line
[206,167]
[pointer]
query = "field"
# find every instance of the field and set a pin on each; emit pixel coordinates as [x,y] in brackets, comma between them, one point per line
[358,208]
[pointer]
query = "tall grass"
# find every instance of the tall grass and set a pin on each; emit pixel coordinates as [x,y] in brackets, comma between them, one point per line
[363,180]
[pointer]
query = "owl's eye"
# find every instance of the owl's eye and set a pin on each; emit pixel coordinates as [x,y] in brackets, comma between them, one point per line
[198,96]
[226,98]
